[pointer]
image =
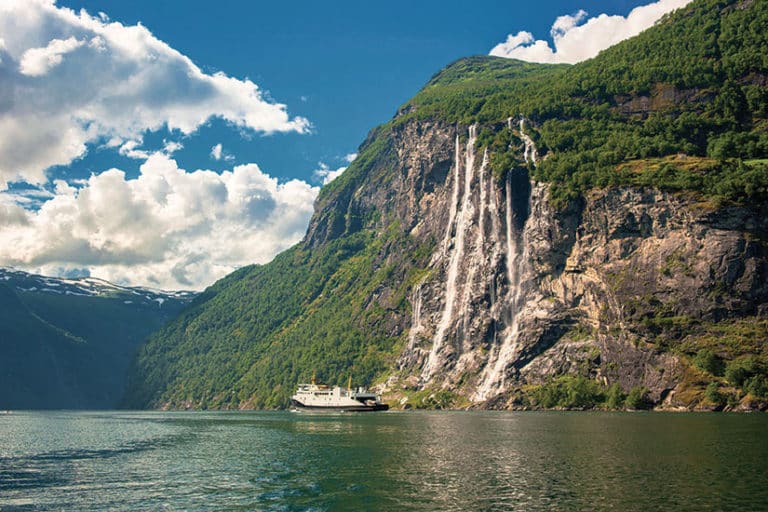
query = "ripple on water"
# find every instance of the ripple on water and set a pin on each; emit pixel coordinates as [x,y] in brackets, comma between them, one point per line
[416,461]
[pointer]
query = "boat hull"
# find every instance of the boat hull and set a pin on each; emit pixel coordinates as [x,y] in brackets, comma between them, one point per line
[339,408]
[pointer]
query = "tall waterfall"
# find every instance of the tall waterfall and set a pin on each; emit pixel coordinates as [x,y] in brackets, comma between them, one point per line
[475,259]
[484,268]
[493,375]
[458,222]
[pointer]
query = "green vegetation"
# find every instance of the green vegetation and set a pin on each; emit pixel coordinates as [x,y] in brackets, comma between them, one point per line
[254,335]
[709,362]
[579,392]
[615,397]
[638,399]
[69,351]
[713,394]
[682,107]
[744,370]
[569,391]
[646,98]
[429,399]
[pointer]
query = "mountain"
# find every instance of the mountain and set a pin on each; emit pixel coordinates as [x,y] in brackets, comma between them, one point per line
[67,343]
[522,235]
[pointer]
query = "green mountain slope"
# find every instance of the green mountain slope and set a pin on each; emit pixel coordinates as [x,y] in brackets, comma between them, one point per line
[682,109]
[66,344]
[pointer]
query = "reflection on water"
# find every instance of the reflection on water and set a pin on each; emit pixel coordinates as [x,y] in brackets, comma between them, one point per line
[383,461]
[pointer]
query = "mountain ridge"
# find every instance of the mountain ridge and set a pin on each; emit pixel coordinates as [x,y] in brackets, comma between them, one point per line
[451,268]
[67,343]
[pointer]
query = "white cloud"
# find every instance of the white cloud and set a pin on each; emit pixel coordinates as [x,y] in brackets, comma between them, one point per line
[575,42]
[326,175]
[170,146]
[350,157]
[71,79]
[130,148]
[167,228]
[38,61]
[216,151]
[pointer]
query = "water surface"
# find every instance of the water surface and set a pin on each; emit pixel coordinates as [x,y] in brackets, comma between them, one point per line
[527,461]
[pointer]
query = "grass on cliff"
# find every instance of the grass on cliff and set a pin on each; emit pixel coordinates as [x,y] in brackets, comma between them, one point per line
[646,98]
[727,361]
[254,335]
[691,85]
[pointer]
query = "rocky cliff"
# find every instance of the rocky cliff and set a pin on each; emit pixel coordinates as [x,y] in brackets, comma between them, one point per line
[517,291]
[517,236]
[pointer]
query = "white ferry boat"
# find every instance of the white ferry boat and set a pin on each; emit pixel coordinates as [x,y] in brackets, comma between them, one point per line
[319,397]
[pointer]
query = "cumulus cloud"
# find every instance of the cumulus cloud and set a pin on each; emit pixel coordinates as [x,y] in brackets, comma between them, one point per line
[71,79]
[576,40]
[170,146]
[38,61]
[326,175]
[216,151]
[167,228]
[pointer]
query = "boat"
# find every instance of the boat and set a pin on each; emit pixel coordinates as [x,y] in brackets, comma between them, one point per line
[319,397]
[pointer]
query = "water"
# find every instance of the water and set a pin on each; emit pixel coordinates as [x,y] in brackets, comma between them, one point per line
[383,461]
[463,219]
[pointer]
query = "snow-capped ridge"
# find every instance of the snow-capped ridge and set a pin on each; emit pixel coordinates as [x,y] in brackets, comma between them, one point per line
[90,287]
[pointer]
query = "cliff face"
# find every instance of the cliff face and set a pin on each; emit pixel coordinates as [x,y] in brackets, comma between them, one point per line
[522,235]
[67,343]
[516,291]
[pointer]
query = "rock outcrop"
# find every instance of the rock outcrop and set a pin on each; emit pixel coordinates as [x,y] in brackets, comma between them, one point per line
[438,268]
[517,291]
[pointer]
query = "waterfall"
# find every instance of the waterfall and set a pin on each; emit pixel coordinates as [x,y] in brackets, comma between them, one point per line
[530,147]
[495,242]
[478,255]
[462,219]
[483,199]
[512,276]
[478,239]
[454,197]
[416,299]
[494,373]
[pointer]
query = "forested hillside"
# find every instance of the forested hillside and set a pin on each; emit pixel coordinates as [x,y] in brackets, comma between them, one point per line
[67,344]
[665,134]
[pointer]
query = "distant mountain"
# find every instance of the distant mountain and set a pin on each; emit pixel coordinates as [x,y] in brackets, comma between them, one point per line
[522,235]
[67,343]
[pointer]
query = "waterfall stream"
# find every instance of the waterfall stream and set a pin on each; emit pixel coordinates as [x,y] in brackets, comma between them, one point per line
[474,247]
[461,218]
[493,375]
[530,153]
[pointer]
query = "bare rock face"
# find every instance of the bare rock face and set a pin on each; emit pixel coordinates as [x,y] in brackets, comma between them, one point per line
[515,291]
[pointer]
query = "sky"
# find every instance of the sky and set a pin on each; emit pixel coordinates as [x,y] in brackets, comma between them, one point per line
[166,143]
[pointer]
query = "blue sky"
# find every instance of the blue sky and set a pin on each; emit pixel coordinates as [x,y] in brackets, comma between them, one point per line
[344,65]
[169,153]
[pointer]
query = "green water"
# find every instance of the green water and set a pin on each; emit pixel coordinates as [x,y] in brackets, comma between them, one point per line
[383,461]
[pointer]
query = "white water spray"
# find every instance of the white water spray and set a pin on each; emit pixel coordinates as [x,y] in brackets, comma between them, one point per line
[493,376]
[413,334]
[462,219]
[454,197]
[530,154]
